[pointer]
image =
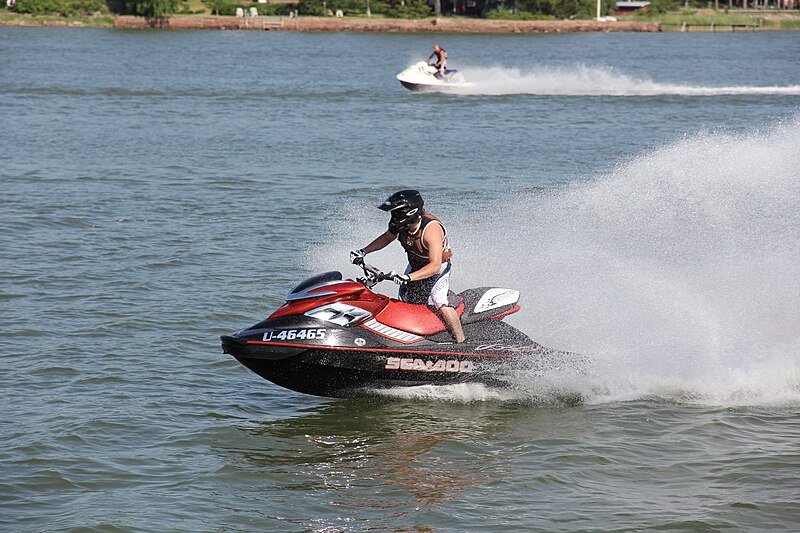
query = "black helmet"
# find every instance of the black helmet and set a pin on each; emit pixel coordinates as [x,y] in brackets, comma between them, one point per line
[405,207]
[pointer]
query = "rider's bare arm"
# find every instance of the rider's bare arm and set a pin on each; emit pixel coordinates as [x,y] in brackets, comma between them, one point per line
[380,243]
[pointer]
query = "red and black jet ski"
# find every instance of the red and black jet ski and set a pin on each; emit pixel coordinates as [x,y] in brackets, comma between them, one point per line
[337,338]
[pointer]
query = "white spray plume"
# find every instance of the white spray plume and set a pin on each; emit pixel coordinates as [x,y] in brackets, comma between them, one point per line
[677,273]
[582,80]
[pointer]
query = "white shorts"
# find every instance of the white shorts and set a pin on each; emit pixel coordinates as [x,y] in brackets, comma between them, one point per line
[432,291]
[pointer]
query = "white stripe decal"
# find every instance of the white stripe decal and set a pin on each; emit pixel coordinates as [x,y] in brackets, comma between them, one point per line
[390,332]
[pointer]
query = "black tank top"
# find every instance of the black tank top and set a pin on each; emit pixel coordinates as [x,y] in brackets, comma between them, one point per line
[414,245]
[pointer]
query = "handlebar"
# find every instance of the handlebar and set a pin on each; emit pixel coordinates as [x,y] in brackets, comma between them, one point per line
[372,275]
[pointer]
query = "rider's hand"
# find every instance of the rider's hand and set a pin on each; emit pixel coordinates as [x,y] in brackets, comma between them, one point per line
[357,257]
[400,279]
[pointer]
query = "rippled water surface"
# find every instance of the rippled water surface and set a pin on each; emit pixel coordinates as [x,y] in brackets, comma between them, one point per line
[161,188]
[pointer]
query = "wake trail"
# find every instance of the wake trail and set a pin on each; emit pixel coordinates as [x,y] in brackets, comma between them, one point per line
[581,80]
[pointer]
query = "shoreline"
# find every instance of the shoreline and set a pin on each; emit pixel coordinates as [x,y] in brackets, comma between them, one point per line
[364,25]
[334,24]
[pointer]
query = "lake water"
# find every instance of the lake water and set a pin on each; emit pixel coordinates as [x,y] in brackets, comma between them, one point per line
[160,188]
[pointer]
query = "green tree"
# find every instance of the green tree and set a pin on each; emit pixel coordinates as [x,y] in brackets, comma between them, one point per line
[154,8]
[410,9]
[223,7]
[356,8]
[311,8]
[663,6]
[564,9]
[38,7]
[70,8]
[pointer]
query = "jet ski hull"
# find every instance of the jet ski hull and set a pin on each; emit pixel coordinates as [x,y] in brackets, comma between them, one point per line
[344,369]
[433,87]
[422,77]
[337,338]
[342,373]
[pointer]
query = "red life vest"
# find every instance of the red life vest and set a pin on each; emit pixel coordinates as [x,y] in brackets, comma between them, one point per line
[415,247]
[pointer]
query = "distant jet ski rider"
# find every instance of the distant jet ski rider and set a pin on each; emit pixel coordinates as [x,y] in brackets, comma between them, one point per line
[427,278]
[441,61]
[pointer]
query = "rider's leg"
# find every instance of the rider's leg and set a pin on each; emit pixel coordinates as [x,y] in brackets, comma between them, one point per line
[440,301]
[453,322]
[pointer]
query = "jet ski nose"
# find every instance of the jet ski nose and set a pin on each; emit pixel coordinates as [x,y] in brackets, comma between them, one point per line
[229,341]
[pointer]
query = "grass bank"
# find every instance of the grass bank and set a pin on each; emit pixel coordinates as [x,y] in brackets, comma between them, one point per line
[727,20]
[14,19]
[703,20]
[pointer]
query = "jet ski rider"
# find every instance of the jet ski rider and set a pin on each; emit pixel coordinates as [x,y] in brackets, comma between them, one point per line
[427,278]
[441,61]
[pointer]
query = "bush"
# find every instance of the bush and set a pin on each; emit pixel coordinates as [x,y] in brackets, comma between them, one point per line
[310,8]
[153,8]
[84,7]
[358,8]
[38,7]
[225,8]
[413,9]
[663,6]
[565,9]
[520,15]
[67,8]
[186,9]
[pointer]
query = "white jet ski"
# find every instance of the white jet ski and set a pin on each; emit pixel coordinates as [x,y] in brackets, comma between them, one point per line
[423,77]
